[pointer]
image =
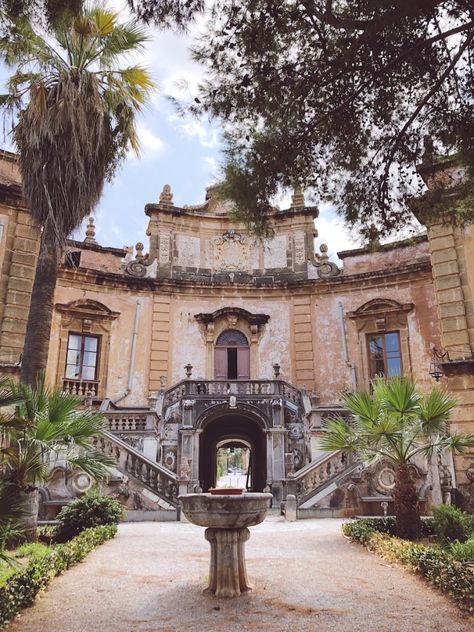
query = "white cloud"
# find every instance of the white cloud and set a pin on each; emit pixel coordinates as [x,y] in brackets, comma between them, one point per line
[333,232]
[150,144]
[194,128]
[211,166]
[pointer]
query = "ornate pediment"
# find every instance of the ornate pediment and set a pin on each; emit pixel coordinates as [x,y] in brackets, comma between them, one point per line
[380,306]
[233,312]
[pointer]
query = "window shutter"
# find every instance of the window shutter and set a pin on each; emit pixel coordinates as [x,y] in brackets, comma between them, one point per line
[243,363]
[220,363]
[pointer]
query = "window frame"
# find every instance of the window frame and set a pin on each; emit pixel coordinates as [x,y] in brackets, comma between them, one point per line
[383,334]
[83,336]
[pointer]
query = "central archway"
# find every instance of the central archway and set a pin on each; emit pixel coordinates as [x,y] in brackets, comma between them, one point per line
[228,428]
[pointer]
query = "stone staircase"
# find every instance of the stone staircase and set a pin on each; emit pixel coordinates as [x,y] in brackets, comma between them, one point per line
[146,473]
[318,480]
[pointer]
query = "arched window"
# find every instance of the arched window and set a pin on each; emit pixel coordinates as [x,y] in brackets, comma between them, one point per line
[232,356]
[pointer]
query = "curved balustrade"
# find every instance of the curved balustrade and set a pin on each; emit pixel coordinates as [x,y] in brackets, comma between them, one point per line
[223,388]
[151,475]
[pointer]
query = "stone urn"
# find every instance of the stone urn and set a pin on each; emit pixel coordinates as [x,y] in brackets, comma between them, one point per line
[226,519]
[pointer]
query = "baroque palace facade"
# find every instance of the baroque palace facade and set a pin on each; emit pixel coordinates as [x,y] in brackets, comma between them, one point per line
[212,339]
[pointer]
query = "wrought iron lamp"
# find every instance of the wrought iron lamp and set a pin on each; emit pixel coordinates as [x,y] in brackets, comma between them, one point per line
[437,356]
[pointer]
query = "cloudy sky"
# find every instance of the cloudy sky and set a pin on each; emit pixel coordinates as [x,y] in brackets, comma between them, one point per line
[184,153]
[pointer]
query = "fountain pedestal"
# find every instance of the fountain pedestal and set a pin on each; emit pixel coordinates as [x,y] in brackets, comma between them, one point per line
[227,519]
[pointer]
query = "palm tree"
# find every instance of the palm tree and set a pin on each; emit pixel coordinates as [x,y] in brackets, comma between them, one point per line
[395,422]
[45,427]
[75,108]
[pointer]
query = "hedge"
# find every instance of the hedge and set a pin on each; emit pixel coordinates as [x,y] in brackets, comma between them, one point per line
[437,565]
[21,588]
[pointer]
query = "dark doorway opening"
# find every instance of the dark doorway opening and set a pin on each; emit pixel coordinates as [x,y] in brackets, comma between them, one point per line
[229,430]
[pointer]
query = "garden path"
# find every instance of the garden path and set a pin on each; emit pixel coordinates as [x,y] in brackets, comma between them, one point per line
[307,578]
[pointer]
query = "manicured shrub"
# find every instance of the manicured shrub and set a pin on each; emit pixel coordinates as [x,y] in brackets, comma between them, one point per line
[20,589]
[92,510]
[359,529]
[451,524]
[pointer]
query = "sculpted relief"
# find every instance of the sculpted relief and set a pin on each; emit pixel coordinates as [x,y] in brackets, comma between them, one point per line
[231,252]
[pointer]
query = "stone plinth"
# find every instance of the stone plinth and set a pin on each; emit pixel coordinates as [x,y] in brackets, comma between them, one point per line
[227,519]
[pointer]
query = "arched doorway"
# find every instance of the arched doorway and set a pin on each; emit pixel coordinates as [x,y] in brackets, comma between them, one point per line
[232,356]
[233,429]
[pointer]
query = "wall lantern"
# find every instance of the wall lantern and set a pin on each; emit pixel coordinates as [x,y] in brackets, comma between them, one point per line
[437,356]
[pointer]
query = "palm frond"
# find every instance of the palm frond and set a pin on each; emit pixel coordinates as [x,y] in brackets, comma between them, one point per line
[435,410]
[339,435]
[400,396]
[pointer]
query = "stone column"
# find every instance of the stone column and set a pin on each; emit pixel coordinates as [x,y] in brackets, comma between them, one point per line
[227,570]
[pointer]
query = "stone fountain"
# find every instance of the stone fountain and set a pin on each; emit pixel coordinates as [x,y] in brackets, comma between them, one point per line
[227,518]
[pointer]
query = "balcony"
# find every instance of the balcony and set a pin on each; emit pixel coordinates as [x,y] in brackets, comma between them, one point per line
[222,389]
[82,388]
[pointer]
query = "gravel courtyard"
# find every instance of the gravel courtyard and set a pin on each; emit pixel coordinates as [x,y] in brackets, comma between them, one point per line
[306,575]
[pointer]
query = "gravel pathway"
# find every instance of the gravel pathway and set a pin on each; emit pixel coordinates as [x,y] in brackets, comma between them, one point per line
[307,578]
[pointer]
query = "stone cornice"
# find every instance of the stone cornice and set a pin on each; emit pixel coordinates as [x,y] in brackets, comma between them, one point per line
[100,278]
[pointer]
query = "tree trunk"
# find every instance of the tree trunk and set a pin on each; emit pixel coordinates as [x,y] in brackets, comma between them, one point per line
[38,329]
[405,501]
[29,521]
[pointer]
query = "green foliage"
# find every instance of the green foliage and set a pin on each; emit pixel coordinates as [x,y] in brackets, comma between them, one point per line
[91,510]
[437,565]
[294,80]
[463,551]
[452,524]
[362,530]
[396,423]
[47,424]
[32,549]
[22,586]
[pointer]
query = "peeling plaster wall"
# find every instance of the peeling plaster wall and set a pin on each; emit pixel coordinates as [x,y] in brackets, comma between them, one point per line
[187,343]
[120,340]
[358,263]
[333,376]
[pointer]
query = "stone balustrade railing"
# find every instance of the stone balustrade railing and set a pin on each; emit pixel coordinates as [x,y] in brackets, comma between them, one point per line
[151,475]
[196,389]
[130,421]
[317,474]
[83,388]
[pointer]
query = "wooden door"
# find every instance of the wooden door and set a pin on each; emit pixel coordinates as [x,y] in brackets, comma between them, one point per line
[243,363]
[220,363]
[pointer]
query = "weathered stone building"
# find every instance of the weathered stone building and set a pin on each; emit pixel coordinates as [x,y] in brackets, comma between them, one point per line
[213,339]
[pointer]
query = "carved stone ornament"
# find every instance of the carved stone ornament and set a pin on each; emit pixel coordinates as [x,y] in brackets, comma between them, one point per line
[470,474]
[231,251]
[188,404]
[170,460]
[136,269]
[295,431]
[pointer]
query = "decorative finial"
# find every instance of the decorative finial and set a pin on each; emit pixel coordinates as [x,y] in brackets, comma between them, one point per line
[297,199]
[139,248]
[166,197]
[323,249]
[90,232]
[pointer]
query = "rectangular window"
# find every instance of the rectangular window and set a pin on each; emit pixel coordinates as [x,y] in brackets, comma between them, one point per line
[384,354]
[82,357]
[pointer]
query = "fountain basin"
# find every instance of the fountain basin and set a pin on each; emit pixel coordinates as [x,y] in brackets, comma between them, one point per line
[227,519]
[225,511]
